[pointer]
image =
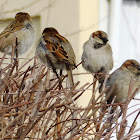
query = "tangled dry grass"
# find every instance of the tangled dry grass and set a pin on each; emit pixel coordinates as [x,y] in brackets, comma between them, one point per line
[34,107]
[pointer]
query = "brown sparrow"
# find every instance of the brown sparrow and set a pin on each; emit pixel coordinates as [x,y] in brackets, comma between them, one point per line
[97,54]
[22,29]
[55,51]
[121,78]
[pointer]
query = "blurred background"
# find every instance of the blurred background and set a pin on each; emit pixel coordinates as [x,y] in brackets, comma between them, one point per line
[76,20]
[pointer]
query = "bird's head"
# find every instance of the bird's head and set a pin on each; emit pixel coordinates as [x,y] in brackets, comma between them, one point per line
[131,65]
[50,31]
[100,37]
[23,16]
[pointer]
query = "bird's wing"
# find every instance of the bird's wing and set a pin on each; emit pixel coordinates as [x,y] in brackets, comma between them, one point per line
[11,28]
[55,47]
[68,49]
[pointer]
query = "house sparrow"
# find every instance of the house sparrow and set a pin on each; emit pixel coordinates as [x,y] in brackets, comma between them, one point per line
[55,51]
[121,78]
[97,54]
[22,29]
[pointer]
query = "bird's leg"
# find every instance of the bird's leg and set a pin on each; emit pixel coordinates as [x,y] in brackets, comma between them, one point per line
[60,80]
[61,72]
[54,70]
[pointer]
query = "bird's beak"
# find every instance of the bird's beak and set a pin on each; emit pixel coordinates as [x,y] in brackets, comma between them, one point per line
[138,67]
[104,39]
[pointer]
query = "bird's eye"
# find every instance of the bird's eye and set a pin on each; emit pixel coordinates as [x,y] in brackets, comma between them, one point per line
[138,67]
[133,65]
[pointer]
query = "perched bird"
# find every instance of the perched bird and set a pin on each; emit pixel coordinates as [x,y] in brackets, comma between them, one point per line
[97,54]
[121,78]
[55,51]
[21,28]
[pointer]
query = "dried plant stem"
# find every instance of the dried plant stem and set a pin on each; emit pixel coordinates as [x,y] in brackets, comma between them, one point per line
[15,119]
[132,128]
[123,124]
[33,105]
[94,86]
[33,123]
[16,51]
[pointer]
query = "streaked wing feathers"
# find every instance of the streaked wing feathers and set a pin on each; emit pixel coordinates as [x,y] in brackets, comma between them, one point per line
[11,28]
[54,46]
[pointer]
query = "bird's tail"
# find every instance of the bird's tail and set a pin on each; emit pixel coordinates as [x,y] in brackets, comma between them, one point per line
[70,78]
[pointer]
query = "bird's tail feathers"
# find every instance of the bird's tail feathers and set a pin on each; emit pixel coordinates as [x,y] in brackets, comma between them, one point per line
[70,78]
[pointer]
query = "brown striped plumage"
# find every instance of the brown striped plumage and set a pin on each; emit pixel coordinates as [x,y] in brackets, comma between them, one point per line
[23,29]
[55,50]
